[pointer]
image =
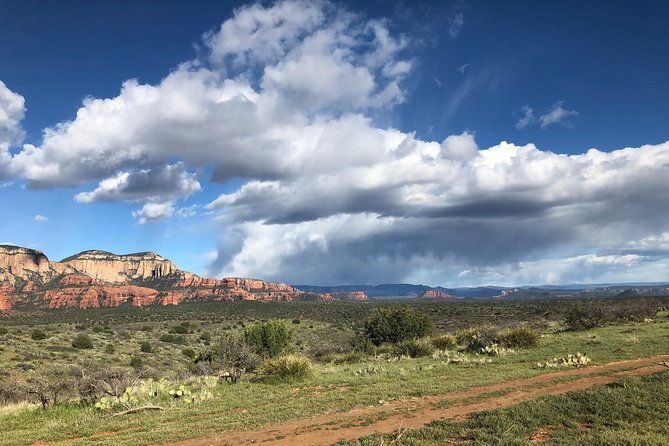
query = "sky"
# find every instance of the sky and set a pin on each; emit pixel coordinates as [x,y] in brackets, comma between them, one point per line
[459,143]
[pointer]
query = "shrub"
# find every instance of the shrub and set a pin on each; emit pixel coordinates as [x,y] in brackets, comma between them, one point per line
[38,335]
[587,315]
[482,338]
[183,328]
[286,368]
[396,324]
[173,339]
[270,338]
[52,386]
[297,321]
[519,337]
[82,341]
[344,358]
[3,331]
[413,348]
[146,347]
[110,349]
[136,362]
[635,309]
[361,343]
[444,342]
[230,355]
[189,353]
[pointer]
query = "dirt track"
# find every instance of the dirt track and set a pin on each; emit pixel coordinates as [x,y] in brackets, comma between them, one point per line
[414,413]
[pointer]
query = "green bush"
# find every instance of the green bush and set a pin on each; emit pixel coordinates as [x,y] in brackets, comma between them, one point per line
[286,368]
[110,349]
[189,353]
[519,337]
[230,354]
[136,362]
[396,324]
[82,341]
[413,348]
[588,315]
[269,339]
[173,339]
[3,331]
[183,328]
[345,358]
[38,335]
[361,343]
[146,347]
[444,342]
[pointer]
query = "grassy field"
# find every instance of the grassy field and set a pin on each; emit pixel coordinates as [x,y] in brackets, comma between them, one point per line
[632,411]
[248,405]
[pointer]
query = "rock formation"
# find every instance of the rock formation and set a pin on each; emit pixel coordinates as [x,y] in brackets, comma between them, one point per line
[347,296]
[94,279]
[435,295]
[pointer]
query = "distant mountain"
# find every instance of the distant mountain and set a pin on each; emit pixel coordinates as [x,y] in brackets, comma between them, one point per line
[94,279]
[388,290]
[419,292]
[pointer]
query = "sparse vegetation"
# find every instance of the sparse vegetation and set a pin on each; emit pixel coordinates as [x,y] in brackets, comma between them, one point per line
[285,368]
[347,368]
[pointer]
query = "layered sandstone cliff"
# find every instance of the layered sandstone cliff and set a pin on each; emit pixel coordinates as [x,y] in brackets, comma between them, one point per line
[23,264]
[435,295]
[94,279]
[102,265]
[347,296]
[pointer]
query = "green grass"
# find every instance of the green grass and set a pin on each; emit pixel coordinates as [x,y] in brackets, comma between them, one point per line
[246,406]
[632,411]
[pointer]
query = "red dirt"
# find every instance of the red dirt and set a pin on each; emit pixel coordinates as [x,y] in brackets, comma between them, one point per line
[327,429]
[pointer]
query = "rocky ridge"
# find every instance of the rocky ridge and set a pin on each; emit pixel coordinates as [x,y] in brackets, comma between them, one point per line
[94,279]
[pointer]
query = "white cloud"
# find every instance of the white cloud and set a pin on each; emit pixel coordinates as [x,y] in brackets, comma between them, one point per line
[12,112]
[163,183]
[281,98]
[557,115]
[153,212]
[527,118]
[41,218]
[326,62]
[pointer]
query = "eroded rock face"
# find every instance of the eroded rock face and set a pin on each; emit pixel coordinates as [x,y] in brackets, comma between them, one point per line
[348,296]
[436,295]
[94,279]
[102,265]
[23,264]
[6,292]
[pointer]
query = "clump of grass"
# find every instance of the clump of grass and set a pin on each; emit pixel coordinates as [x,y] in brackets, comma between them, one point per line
[444,342]
[414,348]
[286,368]
[519,337]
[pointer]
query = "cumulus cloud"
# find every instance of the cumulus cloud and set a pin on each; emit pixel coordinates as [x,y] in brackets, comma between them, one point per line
[12,112]
[280,100]
[165,182]
[41,218]
[153,212]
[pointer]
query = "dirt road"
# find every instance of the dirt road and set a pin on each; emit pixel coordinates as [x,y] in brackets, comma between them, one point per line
[414,413]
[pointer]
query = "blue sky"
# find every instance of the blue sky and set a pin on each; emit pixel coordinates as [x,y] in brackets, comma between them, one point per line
[342,142]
